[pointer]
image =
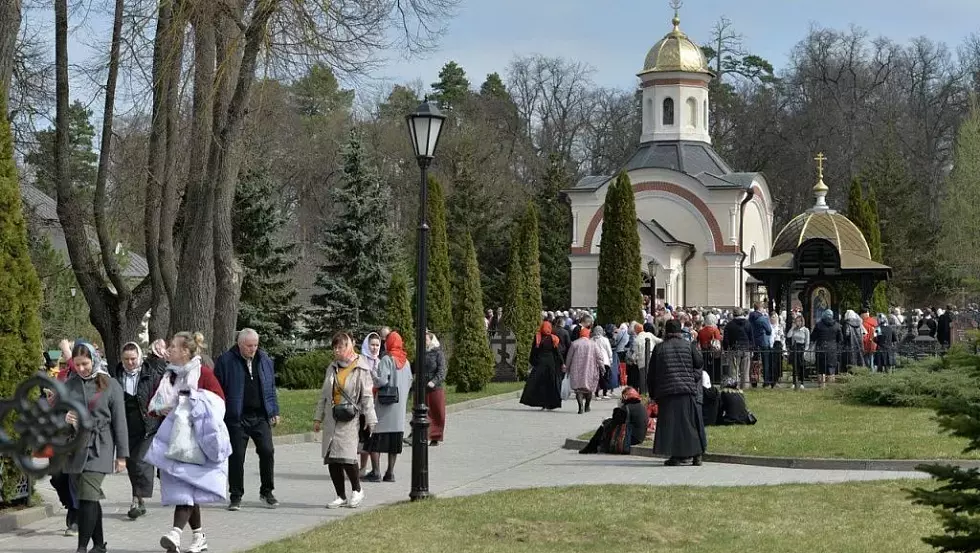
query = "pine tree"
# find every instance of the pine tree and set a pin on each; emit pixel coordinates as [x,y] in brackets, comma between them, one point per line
[82,158]
[471,364]
[20,294]
[398,315]
[879,301]
[439,298]
[620,279]
[268,297]
[356,251]
[514,299]
[856,208]
[453,86]
[531,279]
[955,500]
[556,219]
[960,232]
[493,87]
[862,210]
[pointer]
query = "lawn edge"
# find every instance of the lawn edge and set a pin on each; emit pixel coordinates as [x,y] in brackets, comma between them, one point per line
[895,465]
[18,519]
[309,437]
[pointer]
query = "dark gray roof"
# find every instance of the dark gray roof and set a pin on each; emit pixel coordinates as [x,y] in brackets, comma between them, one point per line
[44,209]
[662,233]
[697,159]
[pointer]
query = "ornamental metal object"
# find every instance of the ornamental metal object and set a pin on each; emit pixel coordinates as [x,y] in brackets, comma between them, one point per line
[42,438]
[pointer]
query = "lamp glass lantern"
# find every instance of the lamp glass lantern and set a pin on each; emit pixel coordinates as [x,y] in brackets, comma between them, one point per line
[425,127]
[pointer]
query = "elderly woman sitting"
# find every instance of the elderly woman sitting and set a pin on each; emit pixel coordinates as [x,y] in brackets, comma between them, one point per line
[733,409]
[631,412]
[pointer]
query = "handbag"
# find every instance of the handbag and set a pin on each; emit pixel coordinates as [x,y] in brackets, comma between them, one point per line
[183,446]
[343,412]
[388,394]
[620,439]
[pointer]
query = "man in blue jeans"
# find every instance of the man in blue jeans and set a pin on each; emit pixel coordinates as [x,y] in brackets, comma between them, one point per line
[761,334]
[251,410]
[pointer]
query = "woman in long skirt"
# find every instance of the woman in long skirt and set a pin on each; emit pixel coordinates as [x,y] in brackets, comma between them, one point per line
[543,388]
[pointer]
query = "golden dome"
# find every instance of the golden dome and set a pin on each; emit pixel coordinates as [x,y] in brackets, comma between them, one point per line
[826,224]
[676,53]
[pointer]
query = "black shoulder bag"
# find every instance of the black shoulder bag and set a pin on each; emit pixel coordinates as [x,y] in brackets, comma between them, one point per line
[388,394]
[347,411]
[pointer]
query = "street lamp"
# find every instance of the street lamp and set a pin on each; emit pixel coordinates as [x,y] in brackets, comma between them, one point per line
[424,127]
[74,318]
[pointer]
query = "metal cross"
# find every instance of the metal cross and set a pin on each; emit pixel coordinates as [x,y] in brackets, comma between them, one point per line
[820,159]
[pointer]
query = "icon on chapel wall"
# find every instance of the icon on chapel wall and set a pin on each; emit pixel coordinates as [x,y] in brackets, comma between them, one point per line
[819,302]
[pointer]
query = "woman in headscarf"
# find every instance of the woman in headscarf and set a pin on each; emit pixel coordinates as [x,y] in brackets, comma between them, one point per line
[675,384]
[620,344]
[852,353]
[543,387]
[393,370]
[102,450]
[346,393]
[584,364]
[887,340]
[606,352]
[434,373]
[371,352]
[826,338]
[138,380]
[631,411]
[183,484]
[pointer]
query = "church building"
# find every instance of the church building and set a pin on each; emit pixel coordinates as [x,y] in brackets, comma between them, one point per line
[700,222]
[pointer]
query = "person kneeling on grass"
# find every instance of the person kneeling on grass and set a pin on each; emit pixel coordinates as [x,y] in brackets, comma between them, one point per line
[733,409]
[631,412]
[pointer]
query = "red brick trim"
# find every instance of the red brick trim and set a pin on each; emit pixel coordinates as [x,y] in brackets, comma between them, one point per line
[669,188]
[666,82]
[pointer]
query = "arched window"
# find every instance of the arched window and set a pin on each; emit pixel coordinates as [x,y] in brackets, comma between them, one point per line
[705,121]
[668,111]
[648,113]
[752,256]
[692,113]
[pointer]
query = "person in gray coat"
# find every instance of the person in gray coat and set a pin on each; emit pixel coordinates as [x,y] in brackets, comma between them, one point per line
[395,369]
[103,449]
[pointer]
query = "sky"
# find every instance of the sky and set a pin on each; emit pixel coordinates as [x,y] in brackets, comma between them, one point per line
[613,36]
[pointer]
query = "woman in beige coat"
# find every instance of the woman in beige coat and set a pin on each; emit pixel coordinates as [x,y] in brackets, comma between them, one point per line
[347,393]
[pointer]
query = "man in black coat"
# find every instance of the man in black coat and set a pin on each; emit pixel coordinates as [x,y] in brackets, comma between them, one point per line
[737,340]
[944,330]
[674,378]
[564,339]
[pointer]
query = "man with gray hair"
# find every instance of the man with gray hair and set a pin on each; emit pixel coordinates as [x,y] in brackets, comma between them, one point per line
[247,377]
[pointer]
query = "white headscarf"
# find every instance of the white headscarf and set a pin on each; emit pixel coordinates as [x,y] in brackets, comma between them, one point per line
[139,357]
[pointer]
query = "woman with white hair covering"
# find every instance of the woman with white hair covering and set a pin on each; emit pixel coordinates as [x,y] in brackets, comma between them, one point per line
[852,354]
[887,339]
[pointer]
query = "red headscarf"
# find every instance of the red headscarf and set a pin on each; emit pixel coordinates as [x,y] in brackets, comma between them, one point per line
[395,347]
[630,394]
[545,330]
[584,332]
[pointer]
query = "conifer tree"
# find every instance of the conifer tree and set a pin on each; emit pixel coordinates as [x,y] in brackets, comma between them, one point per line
[531,265]
[879,302]
[960,232]
[955,499]
[439,310]
[453,86]
[471,364]
[399,313]
[556,219]
[514,318]
[356,251]
[620,278]
[268,296]
[20,294]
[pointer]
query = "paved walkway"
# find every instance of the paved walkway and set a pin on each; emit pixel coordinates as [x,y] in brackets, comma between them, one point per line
[496,447]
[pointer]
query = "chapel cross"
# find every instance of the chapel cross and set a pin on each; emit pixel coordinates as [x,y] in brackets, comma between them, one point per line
[820,159]
[504,341]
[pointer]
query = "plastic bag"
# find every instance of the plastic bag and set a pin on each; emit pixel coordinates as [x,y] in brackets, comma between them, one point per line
[164,398]
[183,445]
[566,388]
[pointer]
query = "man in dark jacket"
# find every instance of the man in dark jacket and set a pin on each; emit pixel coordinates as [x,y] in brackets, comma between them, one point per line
[564,339]
[584,322]
[251,410]
[737,341]
[139,377]
[761,333]
[944,330]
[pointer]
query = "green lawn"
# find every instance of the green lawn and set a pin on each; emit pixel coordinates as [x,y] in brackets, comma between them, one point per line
[814,423]
[297,405]
[823,518]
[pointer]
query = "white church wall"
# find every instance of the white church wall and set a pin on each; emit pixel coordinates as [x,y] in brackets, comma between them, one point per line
[585,274]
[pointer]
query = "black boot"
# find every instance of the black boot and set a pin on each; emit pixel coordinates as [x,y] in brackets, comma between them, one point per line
[588,403]
[578,399]
[696,461]
[672,462]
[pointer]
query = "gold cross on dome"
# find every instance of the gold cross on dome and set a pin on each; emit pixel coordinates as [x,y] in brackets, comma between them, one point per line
[820,159]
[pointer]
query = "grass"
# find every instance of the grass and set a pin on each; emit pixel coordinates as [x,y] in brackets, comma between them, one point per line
[297,405]
[823,518]
[816,424]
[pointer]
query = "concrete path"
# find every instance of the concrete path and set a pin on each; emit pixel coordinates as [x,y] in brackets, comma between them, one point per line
[505,445]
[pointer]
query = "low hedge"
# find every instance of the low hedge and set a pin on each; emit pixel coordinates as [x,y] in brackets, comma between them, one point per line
[304,371]
[927,384]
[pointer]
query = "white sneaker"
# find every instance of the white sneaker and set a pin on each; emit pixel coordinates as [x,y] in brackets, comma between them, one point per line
[199,544]
[356,498]
[171,541]
[337,503]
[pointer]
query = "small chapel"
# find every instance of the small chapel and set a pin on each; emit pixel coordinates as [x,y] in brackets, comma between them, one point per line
[700,222]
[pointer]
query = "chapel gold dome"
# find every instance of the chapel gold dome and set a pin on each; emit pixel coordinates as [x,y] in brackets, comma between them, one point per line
[828,225]
[676,53]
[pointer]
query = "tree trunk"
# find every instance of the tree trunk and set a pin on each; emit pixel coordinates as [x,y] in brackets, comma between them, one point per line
[193,306]
[9,27]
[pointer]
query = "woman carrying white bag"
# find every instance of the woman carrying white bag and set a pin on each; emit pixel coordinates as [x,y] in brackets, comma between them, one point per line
[192,446]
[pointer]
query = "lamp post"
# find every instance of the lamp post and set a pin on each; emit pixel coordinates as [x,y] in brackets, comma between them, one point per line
[74,317]
[424,127]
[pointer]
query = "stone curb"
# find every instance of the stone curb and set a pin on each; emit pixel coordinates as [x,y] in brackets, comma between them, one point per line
[897,465]
[15,520]
[310,437]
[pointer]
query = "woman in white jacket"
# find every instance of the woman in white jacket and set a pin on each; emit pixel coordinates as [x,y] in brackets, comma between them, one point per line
[605,351]
[798,342]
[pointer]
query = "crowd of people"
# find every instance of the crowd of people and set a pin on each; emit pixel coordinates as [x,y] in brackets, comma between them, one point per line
[177,416]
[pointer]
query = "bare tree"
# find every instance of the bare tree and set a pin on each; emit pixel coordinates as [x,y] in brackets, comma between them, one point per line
[9,27]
